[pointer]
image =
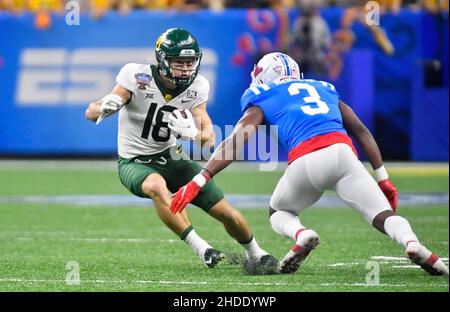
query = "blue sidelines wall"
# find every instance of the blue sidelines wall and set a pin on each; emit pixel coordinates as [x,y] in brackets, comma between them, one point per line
[49,76]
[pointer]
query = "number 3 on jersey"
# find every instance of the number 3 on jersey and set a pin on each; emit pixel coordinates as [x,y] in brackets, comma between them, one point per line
[312,98]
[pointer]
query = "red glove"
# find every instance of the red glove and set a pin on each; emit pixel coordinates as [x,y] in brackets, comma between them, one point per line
[390,192]
[187,193]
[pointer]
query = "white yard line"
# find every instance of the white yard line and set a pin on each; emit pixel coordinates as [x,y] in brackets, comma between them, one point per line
[166,282]
[344,264]
[396,262]
[386,260]
[394,259]
[389,258]
[379,285]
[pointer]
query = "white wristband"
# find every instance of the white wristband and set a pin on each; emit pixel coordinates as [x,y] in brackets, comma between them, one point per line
[381,174]
[200,180]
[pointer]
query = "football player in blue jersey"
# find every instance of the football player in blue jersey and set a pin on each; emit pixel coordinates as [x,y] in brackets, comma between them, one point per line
[314,125]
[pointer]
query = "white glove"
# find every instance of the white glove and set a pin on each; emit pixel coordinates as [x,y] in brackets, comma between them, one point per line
[111,103]
[183,127]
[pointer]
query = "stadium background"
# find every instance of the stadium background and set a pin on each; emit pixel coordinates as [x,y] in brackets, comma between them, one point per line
[49,74]
[50,204]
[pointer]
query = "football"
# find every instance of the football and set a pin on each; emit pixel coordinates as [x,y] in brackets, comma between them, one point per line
[183,113]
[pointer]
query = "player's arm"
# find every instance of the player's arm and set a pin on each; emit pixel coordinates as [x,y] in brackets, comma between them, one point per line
[109,104]
[231,147]
[224,155]
[362,135]
[206,134]
[367,143]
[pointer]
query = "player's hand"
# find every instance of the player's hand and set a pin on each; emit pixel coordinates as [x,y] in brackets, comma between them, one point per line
[187,193]
[110,104]
[390,192]
[183,125]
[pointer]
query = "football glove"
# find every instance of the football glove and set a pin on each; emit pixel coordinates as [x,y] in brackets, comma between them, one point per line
[188,192]
[110,104]
[390,192]
[183,127]
[387,187]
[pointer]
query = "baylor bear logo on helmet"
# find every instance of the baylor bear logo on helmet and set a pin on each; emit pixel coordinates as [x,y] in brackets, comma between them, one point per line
[177,42]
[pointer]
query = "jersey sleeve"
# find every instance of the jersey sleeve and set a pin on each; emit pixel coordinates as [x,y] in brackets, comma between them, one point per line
[248,99]
[126,78]
[200,92]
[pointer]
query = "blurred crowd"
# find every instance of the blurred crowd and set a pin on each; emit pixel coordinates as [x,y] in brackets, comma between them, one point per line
[308,40]
[321,52]
[124,6]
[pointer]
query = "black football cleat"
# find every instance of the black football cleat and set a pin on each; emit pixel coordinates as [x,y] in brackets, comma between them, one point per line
[213,257]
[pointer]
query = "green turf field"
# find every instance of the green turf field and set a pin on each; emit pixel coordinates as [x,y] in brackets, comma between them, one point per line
[129,249]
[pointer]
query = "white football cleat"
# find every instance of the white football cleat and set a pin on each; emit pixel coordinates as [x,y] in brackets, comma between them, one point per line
[427,260]
[306,242]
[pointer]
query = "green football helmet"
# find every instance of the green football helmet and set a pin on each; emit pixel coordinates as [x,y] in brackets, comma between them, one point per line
[177,42]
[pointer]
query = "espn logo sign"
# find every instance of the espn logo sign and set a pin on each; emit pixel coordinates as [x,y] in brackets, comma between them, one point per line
[54,77]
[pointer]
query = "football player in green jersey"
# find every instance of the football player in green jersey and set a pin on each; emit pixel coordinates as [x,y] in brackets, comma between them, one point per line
[158,104]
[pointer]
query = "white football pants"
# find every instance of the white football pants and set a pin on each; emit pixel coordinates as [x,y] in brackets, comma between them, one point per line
[333,167]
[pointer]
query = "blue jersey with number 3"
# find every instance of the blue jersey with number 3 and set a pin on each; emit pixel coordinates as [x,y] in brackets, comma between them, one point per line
[301,108]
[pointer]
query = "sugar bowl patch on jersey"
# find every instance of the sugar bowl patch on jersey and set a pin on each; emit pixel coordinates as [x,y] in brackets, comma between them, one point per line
[143,80]
[190,98]
[191,94]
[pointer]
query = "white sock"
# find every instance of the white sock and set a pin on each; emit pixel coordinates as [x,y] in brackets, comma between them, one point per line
[286,224]
[198,244]
[399,229]
[253,250]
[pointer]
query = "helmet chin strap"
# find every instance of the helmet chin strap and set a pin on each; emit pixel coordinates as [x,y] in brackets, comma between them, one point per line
[166,77]
[175,80]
